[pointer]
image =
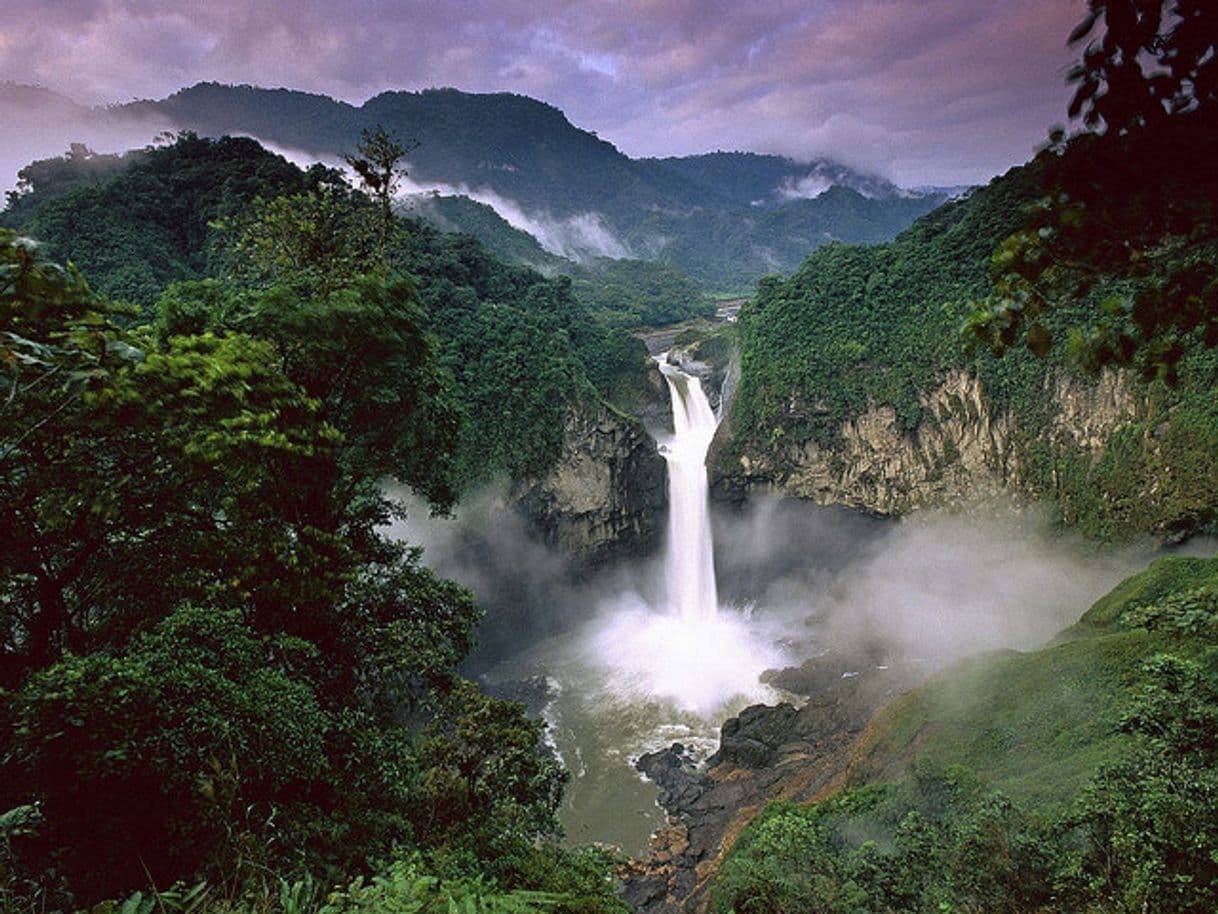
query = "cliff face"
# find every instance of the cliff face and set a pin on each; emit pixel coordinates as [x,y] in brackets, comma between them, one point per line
[962,451]
[605,495]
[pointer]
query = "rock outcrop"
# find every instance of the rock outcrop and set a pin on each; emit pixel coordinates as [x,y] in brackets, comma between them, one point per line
[605,495]
[963,451]
[786,751]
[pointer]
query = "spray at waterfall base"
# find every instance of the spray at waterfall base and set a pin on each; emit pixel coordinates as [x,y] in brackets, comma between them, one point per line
[691,653]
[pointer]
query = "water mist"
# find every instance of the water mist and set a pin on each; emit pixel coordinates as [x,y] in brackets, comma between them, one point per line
[657,658]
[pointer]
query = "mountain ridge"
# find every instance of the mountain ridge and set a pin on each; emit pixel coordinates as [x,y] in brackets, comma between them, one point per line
[525,158]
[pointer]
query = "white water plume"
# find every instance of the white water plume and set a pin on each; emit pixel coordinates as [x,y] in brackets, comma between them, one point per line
[628,674]
[689,654]
[689,562]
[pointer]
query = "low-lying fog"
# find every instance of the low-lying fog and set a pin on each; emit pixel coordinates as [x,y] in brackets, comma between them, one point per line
[622,677]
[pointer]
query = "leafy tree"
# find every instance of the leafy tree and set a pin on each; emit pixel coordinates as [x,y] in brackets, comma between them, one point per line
[1152,843]
[149,223]
[1139,252]
[207,646]
[163,753]
[482,765]
[360,351]
[114,452]
[406,631]
[1151,59]
[377,161]
[46,179]
[318,240]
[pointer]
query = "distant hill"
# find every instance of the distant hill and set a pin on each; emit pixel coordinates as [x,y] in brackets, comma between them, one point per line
[723,218]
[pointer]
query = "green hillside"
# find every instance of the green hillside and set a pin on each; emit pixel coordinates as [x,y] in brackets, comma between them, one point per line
[522,348]
[222,686]
[1080,777]
[717,218]
[856,327]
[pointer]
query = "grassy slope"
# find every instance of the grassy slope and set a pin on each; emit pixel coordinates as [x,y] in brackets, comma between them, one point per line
[1034,725]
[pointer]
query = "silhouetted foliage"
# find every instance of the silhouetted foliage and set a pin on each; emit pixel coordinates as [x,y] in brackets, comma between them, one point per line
[1128,216]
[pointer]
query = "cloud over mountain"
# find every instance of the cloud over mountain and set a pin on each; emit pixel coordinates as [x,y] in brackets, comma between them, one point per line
[942,91]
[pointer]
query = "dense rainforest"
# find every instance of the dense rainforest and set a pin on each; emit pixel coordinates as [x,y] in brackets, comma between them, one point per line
[224,689]
[519,347]
[856,327]
[1082,776]
[214,665]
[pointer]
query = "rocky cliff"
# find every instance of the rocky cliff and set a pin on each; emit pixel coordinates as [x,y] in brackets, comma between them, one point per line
[605,495]
[765,753]
[963,450]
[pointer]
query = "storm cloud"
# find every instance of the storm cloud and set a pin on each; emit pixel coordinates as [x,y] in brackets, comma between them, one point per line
[923,91]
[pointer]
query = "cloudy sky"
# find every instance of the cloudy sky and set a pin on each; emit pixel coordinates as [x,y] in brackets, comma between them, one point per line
[922,91]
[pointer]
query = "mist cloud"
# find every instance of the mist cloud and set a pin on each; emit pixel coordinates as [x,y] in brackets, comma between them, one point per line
[46,131]
[801,580]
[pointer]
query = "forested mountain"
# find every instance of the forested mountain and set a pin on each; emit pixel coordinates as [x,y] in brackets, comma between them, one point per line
[725,219]
[520,346]
[213,663]
[857,384]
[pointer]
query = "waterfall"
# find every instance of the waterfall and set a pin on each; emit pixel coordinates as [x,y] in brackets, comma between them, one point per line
[689,563]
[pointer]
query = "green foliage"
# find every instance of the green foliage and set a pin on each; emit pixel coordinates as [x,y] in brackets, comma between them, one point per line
[409,883]
[1165,578]
[46,179]
[377,161]
[1190,612]
[523,351]
[361,352]
[635,293]
[405,631]
[304,241]
[934,843]
[1151,840]
[1138,255]
[482,765]
[148,224]
[212,663]
[1035,819]
[408,889]
[1147,84]
[133,748]
[857,326]
[178,900]
[318,240]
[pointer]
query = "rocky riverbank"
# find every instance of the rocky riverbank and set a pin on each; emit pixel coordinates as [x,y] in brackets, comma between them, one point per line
[798,751]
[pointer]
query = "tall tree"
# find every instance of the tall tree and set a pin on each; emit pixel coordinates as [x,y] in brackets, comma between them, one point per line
[378,162]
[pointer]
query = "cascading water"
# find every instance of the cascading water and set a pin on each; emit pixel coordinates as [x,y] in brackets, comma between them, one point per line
[689,562]
[641,674]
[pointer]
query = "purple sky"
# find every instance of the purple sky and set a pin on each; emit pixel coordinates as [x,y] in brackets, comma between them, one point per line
[922,91]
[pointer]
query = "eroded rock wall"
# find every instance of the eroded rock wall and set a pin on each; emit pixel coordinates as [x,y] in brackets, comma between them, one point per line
[605,495]
[963,451]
